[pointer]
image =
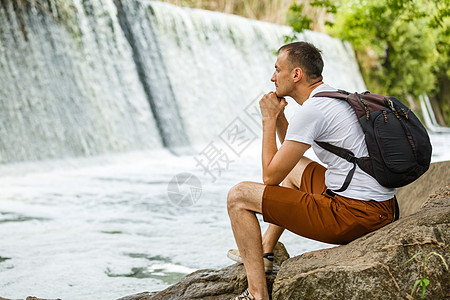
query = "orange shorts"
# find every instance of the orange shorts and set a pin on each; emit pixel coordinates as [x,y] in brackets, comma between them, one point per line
[316,213]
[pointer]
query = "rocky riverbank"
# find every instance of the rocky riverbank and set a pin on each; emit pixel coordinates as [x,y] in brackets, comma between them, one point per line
[372,267]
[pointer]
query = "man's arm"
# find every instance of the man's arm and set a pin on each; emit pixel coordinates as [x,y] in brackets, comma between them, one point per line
[282,125]
[284,160]
[277,164]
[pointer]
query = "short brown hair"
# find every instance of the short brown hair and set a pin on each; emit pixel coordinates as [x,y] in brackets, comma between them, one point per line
[306,56]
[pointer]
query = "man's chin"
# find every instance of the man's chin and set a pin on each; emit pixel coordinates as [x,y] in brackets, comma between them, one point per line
[279,95]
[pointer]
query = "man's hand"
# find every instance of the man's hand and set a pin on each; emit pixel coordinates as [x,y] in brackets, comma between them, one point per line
[271,106]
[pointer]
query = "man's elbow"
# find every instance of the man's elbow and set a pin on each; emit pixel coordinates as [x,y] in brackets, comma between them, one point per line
[270,180]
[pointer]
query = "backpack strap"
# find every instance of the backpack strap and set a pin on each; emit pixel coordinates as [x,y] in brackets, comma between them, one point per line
[397,210]
[341,152]
[345,154]
[339,94]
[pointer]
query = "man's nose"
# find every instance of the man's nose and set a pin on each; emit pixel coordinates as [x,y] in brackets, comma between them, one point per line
[273,77]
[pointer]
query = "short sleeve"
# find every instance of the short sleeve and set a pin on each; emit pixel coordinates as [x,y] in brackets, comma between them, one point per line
[305,125]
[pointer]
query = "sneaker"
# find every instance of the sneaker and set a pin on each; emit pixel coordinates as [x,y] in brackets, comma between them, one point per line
[244,296]
[233,254]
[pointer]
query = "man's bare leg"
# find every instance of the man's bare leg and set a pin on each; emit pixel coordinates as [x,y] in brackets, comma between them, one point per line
[271,237]
[244,200]
[274,232]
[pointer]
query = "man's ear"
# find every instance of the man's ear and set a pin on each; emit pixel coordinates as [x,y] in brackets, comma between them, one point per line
[297,74]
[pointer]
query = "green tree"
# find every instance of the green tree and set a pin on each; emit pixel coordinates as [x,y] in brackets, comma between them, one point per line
[402,46]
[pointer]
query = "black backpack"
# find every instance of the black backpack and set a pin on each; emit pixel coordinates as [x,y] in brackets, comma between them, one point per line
[399,146]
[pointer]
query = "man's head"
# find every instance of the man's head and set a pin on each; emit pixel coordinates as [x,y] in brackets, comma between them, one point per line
[298,62]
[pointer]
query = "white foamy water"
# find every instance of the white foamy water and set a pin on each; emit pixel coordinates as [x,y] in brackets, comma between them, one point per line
[104,228]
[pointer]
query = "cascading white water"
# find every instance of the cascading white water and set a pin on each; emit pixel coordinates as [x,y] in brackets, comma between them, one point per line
[218,63]
[152,72]
[429,116]
[80,78]
[68,88]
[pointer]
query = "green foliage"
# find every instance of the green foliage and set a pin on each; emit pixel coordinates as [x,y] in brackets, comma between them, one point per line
[423,282]
[401,40]
[327,4]
[299,20]
[403,46]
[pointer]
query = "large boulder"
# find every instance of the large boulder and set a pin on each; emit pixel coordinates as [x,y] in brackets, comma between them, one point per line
[412,196]
[376,265]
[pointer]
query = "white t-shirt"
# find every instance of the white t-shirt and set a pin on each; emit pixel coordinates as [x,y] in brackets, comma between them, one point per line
[333,121]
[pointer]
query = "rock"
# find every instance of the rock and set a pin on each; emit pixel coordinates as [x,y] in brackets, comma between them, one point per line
[437,199]
[213,284]
[411,197]
[280,255]
[375,265]
[207,284]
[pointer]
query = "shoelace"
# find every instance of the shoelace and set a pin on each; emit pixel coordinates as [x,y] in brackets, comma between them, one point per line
[244,296]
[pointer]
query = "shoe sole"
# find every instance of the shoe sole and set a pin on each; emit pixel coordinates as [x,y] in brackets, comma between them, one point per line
[238,259]
[235,258]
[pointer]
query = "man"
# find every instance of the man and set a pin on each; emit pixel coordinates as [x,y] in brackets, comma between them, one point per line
[305,203]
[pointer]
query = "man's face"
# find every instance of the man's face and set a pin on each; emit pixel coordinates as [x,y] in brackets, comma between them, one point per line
[282,76]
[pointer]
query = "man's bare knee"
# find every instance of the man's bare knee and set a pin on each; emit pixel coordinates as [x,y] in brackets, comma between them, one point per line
[236,195]
[246,195]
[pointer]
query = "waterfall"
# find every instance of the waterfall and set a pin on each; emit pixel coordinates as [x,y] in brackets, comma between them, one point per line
[68,88]
[429,116]
[84,77]
[139,30]
[218,63]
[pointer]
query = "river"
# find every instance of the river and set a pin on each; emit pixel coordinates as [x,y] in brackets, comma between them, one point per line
[106,227]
